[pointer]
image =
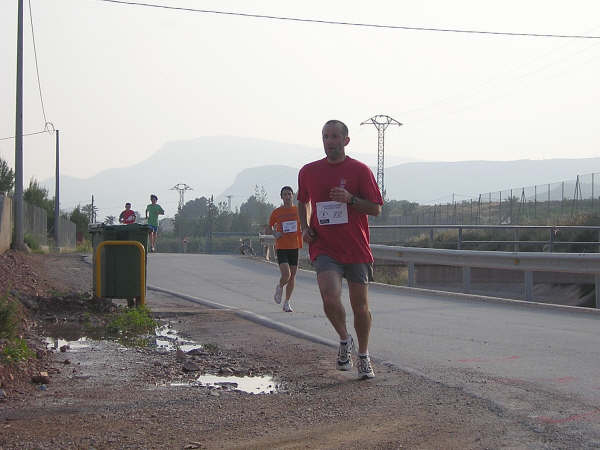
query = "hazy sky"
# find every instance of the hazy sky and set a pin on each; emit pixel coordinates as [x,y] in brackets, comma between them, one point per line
[119,81]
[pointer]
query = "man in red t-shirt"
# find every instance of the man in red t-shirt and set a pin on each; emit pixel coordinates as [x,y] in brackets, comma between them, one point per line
[127,216]
[341,192]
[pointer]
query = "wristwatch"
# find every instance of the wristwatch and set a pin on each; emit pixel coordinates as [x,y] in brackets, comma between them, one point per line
[352,200]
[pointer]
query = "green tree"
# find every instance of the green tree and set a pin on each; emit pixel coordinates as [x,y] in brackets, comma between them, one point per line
[80,219]
[90,211]
[257,209]
[201,216]
[7,177]
[195,208]
[37,195]
[192,219]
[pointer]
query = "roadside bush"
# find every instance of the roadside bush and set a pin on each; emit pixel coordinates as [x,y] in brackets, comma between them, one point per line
[9,318]
[31,242]
[84,246]
[15,351]
[132,322]
[12,348]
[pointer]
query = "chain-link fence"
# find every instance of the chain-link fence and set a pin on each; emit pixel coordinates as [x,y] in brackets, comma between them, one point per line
[67,233]
[553,203]
[35,223]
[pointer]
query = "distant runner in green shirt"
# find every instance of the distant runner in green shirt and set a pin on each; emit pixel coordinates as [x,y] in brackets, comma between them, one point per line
[153,210]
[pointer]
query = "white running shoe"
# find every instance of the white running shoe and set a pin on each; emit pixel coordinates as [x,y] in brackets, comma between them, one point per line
[287,306]
[278,292]
[344,359]
[365,370]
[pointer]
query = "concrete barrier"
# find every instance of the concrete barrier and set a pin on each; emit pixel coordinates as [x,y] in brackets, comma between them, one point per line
[6,222]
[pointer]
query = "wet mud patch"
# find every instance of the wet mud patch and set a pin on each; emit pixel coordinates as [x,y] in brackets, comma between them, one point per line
[80,346]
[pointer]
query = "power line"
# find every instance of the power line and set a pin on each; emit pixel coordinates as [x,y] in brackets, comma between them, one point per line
[37,70]
[467,104]
[353,24]
[499,77]
[27,134]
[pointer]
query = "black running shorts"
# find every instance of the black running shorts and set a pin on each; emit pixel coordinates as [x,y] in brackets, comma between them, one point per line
[287,256]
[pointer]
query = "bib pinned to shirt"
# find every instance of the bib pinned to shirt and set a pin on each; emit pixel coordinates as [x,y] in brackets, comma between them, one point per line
[332,213]
[289,226]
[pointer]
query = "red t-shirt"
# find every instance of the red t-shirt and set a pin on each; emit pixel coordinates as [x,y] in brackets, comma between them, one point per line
[127,216]
[347,243]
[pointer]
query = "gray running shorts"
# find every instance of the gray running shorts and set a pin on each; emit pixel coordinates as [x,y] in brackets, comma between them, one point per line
[357,273]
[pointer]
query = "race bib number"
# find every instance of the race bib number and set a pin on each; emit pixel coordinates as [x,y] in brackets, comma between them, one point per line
[332,213]
[290,226]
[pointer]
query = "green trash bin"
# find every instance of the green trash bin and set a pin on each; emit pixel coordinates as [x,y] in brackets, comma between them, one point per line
[120,265]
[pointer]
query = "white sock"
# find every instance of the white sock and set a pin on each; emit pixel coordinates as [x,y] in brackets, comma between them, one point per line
[363,355]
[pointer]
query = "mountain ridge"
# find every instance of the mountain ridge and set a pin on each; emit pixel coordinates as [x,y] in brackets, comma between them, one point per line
[233,166]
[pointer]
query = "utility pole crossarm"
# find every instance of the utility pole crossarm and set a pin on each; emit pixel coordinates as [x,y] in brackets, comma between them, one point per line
[381,122]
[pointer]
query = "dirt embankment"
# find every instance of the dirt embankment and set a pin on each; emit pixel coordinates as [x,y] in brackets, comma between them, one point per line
[103,395]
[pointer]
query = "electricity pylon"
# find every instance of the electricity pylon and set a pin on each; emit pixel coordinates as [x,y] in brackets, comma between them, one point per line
[181,187]
[229,201]
[381,123]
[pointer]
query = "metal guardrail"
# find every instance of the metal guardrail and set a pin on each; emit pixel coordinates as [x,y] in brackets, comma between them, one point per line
[527,262]
[551,242]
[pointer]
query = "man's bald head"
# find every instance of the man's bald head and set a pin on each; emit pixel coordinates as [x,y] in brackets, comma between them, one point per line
[342,126]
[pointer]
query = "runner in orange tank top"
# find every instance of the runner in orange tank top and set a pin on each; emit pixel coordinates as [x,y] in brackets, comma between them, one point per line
[285,224]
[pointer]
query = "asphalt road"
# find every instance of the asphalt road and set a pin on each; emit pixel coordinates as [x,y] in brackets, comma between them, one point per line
[537,362]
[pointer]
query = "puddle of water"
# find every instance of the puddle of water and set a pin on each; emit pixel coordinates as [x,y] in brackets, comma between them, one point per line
[57,343]
[168,339]
[252,385]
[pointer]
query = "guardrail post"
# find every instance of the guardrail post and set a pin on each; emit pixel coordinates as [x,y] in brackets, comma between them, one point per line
[551,241]
[431,238]
[459,243]
[598,241]
[597,290]
[466,273]
[516,239]
[528,285]
[411,274]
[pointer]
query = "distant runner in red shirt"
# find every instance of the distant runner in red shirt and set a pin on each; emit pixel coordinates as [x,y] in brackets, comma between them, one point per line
[127,216]
[341,192]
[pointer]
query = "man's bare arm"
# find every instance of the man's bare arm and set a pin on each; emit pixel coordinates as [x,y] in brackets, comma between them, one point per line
[361,205]
[303,215]
[308,234]
[366,206]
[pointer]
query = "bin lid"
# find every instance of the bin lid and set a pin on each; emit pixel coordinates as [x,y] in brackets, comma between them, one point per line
[131,227]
